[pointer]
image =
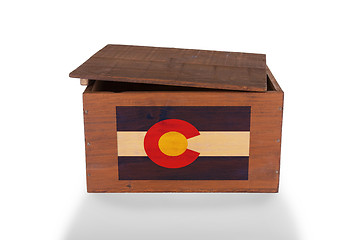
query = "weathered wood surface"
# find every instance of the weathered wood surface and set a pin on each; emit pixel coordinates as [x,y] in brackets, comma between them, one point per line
[203,168]
[265,139]
[177,67]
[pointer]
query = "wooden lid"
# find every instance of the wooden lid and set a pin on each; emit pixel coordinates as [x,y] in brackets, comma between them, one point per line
[176,67]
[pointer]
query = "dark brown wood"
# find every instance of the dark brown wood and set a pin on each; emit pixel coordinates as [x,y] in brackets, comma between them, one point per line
[220,118]
[203,168]
[101,138]
[176,67]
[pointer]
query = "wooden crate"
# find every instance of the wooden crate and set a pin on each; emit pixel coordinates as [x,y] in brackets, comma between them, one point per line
[165,135]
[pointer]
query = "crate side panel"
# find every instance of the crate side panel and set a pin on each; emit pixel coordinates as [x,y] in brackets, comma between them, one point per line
[101,147]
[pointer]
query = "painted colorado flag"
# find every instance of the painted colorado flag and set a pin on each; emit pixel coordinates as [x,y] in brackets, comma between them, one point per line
[183,143]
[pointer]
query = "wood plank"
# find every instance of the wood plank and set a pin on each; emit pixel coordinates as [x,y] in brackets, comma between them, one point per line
[214,118]
[207,143]
[176,67]
[204,168]
[221,143]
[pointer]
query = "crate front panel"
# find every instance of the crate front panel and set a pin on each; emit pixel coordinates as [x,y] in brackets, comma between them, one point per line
[258,169]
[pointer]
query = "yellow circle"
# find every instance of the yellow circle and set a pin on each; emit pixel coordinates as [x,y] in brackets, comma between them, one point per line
[173,143]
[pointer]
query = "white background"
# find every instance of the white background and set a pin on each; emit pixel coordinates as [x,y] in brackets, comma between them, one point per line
[312,49]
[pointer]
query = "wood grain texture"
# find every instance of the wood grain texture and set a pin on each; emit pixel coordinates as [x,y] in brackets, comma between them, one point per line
[203,118]
[204,168]
[207,143]
[265,138]
[221,143]
[177,67]
[84,82]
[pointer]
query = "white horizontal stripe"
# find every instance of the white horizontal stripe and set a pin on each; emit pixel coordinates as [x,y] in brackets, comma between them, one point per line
[131,143]
[207,143]
[221,143]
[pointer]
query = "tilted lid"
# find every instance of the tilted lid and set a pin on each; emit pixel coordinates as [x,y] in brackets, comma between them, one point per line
[176,67]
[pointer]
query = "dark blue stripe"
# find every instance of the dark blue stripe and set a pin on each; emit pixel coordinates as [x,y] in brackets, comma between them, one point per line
[203,168]
[227,118]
